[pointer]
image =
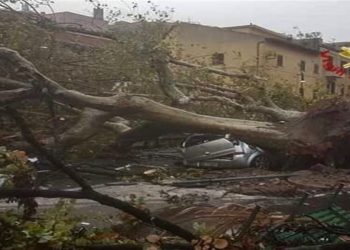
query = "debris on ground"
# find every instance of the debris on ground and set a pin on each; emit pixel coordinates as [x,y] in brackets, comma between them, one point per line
[248,210]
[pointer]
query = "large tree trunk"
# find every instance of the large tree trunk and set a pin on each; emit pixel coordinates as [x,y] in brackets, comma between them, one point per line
[91,122]
[131,106]
[315,133]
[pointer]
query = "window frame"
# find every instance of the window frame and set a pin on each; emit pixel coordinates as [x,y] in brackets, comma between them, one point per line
[280,60]
[302,66]
[218,59]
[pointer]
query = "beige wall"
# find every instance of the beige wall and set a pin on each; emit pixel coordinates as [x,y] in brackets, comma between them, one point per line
[199,43]
[290,73]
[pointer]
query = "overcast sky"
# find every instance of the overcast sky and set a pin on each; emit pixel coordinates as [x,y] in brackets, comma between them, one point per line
[330,17]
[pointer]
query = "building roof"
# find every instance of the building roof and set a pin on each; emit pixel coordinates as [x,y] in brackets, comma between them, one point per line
[66,13]
[74,20]
[336,46]
[293,44]
[254,27]
[308,45]
[97,25]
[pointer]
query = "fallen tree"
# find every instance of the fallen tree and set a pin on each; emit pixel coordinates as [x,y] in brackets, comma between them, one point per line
[320,133]
[95,112]
[306,133]
[22,72]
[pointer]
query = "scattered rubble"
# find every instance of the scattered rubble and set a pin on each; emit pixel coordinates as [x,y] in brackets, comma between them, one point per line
[229,207]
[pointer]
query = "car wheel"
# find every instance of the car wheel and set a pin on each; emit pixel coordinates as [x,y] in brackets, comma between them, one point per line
[261,162]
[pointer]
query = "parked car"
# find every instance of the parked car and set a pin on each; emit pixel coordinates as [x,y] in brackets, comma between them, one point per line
[203,150]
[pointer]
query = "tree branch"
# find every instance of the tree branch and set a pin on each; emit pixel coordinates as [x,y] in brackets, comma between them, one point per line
[104,200]
[167,82]
[146,131]
[44,193]
[29,137]
[89,124]
[87,192]
[9,83]
[15,95]
[239,94]
[257,133]
[215,71]
[229,97]
[209,90]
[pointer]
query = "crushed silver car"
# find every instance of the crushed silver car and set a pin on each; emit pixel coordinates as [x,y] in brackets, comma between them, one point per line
[202,150]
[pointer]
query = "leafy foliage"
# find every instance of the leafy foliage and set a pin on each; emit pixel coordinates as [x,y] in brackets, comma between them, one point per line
[51,231]
[200,228]
[132,11]
[15,172]
[123,64]
[127,223]
[56,228]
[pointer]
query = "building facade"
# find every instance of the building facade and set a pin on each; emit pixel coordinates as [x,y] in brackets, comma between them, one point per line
[293,62]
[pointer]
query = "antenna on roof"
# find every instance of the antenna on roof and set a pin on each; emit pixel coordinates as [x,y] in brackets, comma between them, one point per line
[25,7]
[98,12]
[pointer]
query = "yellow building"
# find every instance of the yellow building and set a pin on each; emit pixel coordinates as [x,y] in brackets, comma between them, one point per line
[296,62]
[251,48]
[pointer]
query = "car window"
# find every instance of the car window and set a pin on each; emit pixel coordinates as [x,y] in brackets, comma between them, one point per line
[199,139]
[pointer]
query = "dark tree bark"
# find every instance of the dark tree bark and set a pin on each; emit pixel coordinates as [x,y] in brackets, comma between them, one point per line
[91,123]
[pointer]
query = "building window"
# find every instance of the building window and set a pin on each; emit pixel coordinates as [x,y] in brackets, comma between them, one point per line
[331,86]
[342,90]
[316,69]
[302,65]
[217,58]
[279,60]
[301,90]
